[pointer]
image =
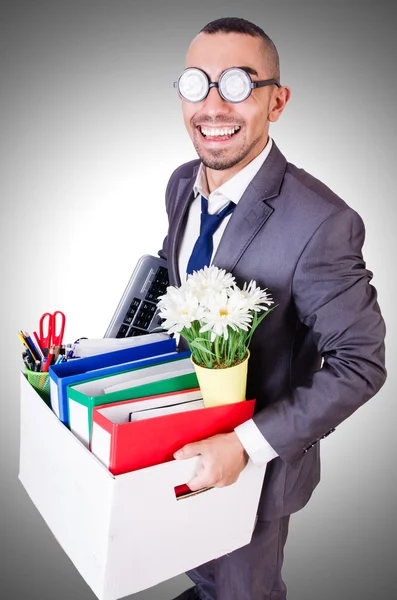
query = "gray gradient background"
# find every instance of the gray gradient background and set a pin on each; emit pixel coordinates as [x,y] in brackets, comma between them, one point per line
[88,114]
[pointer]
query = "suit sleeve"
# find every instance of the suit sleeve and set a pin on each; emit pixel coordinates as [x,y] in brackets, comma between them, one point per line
[334,298]
[169,196]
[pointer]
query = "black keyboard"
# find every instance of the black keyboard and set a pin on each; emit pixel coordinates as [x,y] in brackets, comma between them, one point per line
[137,311]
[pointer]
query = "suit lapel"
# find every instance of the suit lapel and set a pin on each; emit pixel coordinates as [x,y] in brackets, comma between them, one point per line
[252,211]
[184,196]
[247,219]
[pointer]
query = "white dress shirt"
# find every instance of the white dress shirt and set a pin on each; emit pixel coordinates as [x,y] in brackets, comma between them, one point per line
[256,446]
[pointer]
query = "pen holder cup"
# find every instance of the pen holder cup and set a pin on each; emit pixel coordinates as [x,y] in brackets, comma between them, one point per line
[41,383]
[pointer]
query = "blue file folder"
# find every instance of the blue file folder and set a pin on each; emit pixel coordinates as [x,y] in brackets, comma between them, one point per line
[101,365]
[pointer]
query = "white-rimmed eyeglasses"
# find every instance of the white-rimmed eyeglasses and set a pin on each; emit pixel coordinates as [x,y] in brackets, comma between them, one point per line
[234,85]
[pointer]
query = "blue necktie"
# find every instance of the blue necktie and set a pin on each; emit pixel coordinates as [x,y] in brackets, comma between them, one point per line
[203,248]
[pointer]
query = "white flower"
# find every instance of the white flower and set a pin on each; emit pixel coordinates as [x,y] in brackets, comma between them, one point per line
[179,307]
[256,298]
[209,281]
[225,311]
[210,301]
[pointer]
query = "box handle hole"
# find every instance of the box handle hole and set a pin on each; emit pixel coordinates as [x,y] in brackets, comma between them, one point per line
[183,491]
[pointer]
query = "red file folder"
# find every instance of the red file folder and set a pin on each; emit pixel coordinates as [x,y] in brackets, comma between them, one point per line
[129,446]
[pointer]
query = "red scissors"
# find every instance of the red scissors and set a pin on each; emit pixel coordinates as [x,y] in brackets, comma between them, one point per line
[48,322]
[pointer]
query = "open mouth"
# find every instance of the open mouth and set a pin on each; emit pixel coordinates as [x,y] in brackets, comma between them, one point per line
[216,134]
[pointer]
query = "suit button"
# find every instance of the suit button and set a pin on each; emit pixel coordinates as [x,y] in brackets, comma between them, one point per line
[309,446]
[327,434]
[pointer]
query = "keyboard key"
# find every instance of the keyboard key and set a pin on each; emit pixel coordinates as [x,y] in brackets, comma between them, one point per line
[145,315]
[133,332]
[134,306]
[151,295]
[162,272]
[122,332]
[162,276]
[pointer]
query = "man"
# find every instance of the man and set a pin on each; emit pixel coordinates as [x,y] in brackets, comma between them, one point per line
[320,355]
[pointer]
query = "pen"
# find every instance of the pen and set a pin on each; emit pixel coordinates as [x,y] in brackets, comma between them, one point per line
[27,362]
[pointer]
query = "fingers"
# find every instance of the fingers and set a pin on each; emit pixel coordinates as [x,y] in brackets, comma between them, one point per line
[206,477]
[188,451]
[198,483]
[221,461]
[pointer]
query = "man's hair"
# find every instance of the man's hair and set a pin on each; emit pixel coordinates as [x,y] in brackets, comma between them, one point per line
[237,25]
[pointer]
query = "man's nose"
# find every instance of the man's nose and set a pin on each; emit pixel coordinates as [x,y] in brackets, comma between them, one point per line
[214,103]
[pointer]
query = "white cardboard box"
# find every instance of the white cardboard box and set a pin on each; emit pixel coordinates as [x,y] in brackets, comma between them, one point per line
[113,527]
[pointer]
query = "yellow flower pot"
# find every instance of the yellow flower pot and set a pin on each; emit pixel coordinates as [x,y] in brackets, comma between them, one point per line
[223,386]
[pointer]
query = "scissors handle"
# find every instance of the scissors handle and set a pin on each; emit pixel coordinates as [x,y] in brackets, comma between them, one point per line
[57,338]
[45,340]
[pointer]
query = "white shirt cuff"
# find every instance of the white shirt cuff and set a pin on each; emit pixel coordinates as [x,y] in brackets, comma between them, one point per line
[257,447]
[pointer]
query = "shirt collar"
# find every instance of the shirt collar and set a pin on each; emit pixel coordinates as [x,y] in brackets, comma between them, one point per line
[234,188]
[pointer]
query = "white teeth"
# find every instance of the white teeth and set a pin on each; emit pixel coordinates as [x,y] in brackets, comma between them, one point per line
[219,132]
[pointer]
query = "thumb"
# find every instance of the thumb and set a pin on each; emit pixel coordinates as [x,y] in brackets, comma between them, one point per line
[188,451]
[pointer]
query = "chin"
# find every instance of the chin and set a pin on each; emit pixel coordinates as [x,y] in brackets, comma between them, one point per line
[219,160]
[219,163]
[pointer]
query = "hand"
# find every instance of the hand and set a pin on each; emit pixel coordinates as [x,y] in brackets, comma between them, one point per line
[222,456]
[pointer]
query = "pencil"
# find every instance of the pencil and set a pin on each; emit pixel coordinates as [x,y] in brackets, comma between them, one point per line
[25,343]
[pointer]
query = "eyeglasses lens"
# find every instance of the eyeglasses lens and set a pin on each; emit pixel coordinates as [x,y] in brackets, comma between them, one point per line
[193,85]
[235,85]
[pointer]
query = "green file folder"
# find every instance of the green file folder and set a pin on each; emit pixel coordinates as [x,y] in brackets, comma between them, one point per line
[81,405]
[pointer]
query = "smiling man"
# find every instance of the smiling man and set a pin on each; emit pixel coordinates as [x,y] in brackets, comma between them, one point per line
[320,355]
[227,136]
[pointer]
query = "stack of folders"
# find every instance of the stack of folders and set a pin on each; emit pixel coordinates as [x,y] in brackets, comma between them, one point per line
[133,408]
[153,347]
[150,379]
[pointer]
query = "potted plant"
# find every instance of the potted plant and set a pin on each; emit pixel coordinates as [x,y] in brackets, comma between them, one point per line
[218,320]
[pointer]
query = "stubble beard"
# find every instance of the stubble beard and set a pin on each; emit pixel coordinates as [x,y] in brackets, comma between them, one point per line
[218,159]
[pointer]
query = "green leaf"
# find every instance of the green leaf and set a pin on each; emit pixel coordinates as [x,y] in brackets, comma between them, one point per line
[196,344]
[258,322]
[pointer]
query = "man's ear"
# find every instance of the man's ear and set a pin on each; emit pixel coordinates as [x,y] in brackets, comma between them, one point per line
[278,103]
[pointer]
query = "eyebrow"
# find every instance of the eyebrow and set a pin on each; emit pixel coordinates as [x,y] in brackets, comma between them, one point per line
[249,70]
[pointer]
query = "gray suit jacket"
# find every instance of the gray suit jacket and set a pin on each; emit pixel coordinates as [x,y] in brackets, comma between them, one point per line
[297,238]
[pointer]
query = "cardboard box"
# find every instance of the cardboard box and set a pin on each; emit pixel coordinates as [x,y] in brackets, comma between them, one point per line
[128,532]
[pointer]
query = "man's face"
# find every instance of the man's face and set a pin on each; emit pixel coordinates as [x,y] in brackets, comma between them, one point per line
[213,54]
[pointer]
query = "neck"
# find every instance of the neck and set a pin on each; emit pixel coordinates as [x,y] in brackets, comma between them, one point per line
[216,178]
